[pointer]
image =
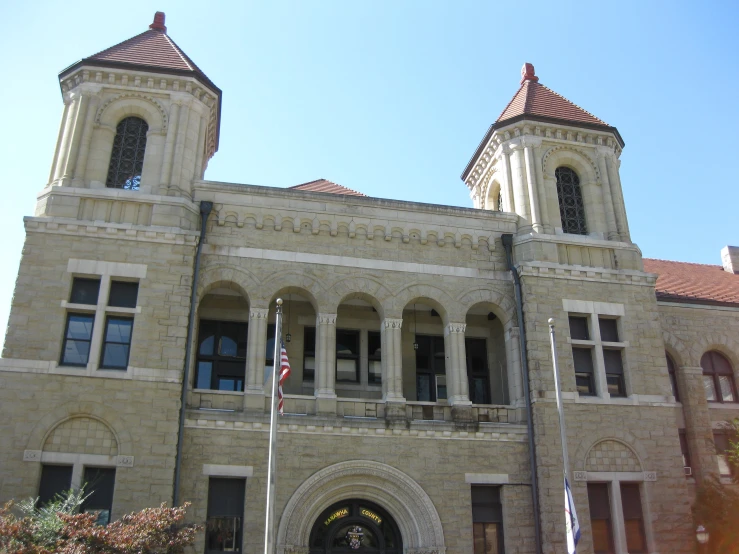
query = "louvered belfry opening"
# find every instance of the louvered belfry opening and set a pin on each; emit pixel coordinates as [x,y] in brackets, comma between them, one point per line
[127,158]
[571,208]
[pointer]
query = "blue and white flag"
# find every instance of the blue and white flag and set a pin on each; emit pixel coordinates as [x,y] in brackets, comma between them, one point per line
[571,521]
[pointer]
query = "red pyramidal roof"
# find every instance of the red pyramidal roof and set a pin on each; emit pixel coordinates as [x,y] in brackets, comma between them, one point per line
[150,50]
[322,185]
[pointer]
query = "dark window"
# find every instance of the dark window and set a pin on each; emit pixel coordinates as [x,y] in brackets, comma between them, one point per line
[117,343]
[347,356]
[374,357]
[579,328]
[221,361]
[614,372]
[85,291]
[123,294]
[430,369]
[571,208]
[54,480]
[500,201]
[600,518]
[584,378]
[721,442]
[269,352]
[309,353]
[223,528]
[673,377]
[608,329]
[636,540]
[487,520]
[718,378]
[127,157]
[99,485]
[77,337]
[685,451]
[477,370]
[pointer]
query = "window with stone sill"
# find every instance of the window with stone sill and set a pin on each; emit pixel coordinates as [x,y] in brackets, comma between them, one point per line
[79,333]
[597,353]
[718,378]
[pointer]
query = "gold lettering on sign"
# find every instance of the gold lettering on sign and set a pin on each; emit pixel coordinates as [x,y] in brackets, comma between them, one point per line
[343,512]
[370,515]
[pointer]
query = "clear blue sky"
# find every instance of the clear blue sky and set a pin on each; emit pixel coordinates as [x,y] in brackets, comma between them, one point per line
[392,97]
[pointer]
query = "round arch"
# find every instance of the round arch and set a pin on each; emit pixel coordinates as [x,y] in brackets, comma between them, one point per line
[293,282]
[559,156]
[500,304]
[139,105]
[232,278]
[723,344]
[364,288]
[615,434]
[403,498]
[427,294]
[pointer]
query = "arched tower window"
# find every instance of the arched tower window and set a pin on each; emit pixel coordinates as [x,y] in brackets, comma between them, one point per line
[499,201]
[571,208]
[127,159]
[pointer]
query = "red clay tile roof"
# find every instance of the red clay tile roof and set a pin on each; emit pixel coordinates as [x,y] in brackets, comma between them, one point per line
[152,50]
[687,282]
[322,185]
[537,100]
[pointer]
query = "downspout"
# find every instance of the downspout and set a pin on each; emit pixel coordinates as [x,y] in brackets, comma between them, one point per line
[507,240]
[205,209]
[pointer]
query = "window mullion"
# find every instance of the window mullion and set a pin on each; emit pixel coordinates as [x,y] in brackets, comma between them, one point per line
[98,329]
[601,383]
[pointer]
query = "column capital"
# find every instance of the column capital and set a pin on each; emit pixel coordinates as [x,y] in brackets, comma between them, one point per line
[258,313]
[455,328]
[326,319]
[528,141]
[390,323]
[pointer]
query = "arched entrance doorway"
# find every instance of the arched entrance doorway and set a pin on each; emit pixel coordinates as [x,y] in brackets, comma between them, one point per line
[355,526]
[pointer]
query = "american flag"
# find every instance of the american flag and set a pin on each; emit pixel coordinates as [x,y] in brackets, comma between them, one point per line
[284,374]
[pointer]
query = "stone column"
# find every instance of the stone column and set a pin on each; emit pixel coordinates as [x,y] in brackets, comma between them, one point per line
[180,140]
[66,138]
[392,361]
[325,391]
[78,124]
[166,173]
[533,188]
[618,198]
[698,429]
[612,232]
[456,367]
[520,187]
[59,140]
[256,342]
[505,173]
[85,143]
[513,357]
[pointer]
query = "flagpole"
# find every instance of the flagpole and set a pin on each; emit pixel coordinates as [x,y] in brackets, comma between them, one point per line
[557,390]
[572,526]
[269,525]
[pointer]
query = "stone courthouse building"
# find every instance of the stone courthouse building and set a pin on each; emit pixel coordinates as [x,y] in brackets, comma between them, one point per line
[420,413]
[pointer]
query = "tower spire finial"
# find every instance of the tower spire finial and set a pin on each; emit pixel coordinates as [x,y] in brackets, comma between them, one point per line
[528,74]
[158,23]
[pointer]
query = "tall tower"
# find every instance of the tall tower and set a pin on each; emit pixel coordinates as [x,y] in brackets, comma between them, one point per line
[557,167]
[139,117]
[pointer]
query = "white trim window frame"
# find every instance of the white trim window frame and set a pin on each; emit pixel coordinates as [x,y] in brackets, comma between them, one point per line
[594,312]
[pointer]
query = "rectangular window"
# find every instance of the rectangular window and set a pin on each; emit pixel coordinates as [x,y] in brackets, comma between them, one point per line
[123,294]
[77,338]
[430,369]
[636,540]
[600,518]
[614,372]
[608,329]
[685,452]
[99,485]
[85,291]
[487,520]
[584,378]
[221,362]
[374,358]
[721,442]
[309,353]
[54,480]
[579,328]
[223,528]
[117,343]
[347,356]
[477,370]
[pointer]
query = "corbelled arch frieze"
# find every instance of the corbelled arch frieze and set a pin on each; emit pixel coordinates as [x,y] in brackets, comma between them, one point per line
[399,494]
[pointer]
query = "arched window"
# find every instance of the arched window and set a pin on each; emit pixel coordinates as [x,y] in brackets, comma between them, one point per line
[571,208]
[673,377]
[718,378]
[499,201]
[127,158]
